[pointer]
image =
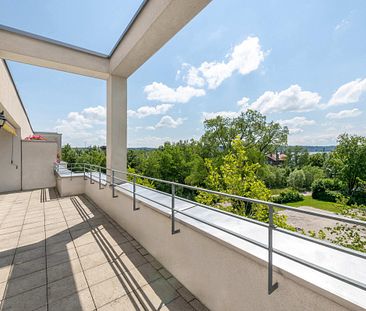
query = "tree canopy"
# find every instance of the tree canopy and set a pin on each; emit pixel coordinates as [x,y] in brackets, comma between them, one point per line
[251,127]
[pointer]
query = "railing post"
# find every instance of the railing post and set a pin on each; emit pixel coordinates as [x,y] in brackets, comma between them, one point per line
[91,176]
[71,170]
[174,231]
[134,194]
[113,186]
[271,287]
[100,178]
[84,172]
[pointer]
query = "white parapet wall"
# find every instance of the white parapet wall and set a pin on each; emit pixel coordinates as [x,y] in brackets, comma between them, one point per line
[38,159]
[222,273]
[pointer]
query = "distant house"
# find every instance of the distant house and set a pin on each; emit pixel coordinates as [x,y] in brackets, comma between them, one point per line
[276,158]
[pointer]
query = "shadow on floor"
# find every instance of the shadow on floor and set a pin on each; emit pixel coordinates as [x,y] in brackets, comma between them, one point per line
[83,261]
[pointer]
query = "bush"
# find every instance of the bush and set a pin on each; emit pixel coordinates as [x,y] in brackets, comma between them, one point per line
[274,177]
[288,196]
[358,197]
[312,173]
[327,189]
[297,179]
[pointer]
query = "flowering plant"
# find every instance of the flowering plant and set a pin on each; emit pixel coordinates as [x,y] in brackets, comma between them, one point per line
[35,137]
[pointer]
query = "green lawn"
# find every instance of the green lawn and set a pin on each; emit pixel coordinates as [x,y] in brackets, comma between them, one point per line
[309,201]
[277,190]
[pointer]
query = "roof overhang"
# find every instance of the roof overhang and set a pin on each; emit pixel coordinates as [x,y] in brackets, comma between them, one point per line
[153,25]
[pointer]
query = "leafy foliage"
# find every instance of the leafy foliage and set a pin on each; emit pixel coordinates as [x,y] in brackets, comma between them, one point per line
[237,176]
[296,156]
[348,161]
[273,176]
[327,189]
[140,180]
[251,127]
[297,179]
[288,196]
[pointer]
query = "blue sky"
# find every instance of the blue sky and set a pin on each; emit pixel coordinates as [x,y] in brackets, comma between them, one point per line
[301,63]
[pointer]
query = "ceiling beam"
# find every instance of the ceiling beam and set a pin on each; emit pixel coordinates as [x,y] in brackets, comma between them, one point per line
[157,22]
[31,49]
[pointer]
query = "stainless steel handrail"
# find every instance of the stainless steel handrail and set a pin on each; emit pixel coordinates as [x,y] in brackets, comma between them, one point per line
[271,227]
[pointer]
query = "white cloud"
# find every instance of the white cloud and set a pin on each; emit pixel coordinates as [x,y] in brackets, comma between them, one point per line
[352,113]
[168,121]
[348,93]
[95,114]
[244,58]
[295,130]
[296,124]
[224,114]
[161,92]
[83,126]
[342,24]
[146,111]
[243,102]
[193,78]
[149,141]
[292,99]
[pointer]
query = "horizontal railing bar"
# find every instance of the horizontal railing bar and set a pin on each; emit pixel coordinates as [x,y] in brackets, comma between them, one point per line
[117,186]
[322,242]
[344,219]
[322,270]
[225,213]
[152,189]
[121,179]
[194,203]
[269,204]
[286,207]
[141,196]
[262,245]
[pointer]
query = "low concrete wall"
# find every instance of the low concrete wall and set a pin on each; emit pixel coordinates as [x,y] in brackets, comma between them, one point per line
[220,276]
[37,164]
[67,186]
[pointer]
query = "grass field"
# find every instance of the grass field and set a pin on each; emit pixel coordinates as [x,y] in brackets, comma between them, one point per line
[309,201]
[278,190]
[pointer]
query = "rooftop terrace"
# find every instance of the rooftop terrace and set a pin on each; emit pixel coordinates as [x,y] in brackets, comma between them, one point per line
[67,254]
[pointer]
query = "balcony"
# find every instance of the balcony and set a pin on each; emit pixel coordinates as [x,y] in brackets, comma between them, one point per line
[224,259]
[95,239]
[68,254]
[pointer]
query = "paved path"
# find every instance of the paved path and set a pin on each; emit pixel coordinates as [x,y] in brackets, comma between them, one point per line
[66,254]
[308,222]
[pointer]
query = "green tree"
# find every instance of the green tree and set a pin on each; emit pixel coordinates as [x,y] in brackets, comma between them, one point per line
[348,161]
[312,173]
[273,176]
[69,154]
[317,159]
[238,176]
[296,156]
[251,127]
[297,179]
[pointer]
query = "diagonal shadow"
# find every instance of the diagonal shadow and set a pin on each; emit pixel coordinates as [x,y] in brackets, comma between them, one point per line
[19,283]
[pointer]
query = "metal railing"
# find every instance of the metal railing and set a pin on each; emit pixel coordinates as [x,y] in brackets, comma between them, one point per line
[88,170]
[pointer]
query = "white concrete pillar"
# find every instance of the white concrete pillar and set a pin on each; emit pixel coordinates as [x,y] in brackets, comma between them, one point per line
[117,123]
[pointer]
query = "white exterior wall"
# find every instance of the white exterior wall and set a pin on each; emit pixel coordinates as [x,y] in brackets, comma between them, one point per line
[37,164]
[68,186]
[10,102]
[222,277]
[10,166]
[50,136]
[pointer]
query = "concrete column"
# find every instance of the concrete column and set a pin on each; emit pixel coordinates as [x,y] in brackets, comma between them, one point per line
[117,123]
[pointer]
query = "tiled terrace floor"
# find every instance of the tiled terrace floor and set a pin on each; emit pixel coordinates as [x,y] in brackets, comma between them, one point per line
[66,254]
